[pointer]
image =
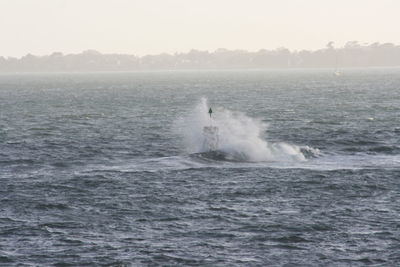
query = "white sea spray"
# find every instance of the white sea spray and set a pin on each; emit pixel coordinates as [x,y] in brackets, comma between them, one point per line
[240,136]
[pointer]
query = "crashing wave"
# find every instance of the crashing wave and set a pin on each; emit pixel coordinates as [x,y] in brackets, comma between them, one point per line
[235,136]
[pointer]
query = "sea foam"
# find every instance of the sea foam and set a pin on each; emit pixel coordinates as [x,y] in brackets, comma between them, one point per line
[240,137]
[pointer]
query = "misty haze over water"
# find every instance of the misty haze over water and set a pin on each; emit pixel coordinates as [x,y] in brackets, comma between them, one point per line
[200,133]
[353,54]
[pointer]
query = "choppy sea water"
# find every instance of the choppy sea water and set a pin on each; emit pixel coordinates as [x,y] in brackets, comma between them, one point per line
[109,169]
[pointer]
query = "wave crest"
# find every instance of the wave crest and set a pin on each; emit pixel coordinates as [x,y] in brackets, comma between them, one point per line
[240,137]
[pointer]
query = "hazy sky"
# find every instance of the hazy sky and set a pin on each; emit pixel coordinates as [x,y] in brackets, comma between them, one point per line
[153,26]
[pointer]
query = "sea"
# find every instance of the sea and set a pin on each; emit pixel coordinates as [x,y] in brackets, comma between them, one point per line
[111,169]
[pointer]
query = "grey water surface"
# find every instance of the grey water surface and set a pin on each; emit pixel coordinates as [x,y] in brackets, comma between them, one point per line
[92,172]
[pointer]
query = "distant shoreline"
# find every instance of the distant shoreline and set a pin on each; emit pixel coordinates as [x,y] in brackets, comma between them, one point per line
[352,55]
[322,69]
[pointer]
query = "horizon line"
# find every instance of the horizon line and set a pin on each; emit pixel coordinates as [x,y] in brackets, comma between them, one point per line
[329,45]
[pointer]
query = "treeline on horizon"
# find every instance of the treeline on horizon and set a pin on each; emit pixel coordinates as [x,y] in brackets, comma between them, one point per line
[352,54]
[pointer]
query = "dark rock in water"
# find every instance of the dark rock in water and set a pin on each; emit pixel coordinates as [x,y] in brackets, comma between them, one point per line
[219,155]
